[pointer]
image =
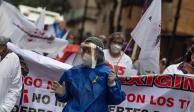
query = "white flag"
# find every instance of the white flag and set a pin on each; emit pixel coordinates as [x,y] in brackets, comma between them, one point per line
[40,21]
[10,15]
[26,34]
[146,35]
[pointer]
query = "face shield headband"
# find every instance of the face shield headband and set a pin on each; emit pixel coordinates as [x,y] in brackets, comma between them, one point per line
[93,47]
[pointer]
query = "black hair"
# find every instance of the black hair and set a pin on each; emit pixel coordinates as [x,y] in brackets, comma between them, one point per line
[189,54]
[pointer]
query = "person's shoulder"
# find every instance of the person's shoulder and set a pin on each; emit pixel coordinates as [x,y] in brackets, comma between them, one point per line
[173,66]
[12,56]
[103,69]
[72,72]
[76,67]
[172,69]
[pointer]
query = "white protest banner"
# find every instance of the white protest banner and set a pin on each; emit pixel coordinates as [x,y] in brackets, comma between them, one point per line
[157,93]
[37,96]
[149,93]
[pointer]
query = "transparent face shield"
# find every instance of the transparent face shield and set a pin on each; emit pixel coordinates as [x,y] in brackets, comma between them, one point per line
[89,49]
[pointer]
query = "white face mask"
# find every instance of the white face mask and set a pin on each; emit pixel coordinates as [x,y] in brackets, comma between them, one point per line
[115,48]
[88,61]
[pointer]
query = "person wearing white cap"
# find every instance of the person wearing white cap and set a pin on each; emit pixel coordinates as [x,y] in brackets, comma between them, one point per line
[10,77]
[92,86]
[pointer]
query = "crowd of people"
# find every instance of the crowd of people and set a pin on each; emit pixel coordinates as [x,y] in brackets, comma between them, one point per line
[92,83]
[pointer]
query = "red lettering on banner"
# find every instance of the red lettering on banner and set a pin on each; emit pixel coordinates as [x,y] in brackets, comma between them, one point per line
[150,79]
[184,103]
[25,97]
[177,82]
[170,102]
[162,101]
[122,80]
[49,84]
[136,98]
[28,81]
[131,97]
[152,100]
[135,80]
[188,83]
[37,83]
[163,81]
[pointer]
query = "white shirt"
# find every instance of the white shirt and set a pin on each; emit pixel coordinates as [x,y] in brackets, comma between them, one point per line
[10,82]
[173,69]
[124,67]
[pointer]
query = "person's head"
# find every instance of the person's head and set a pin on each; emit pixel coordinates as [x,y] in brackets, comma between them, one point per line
[62,25]
[92,52]
[104,39]
[189,60]
[3,46]
[115,43]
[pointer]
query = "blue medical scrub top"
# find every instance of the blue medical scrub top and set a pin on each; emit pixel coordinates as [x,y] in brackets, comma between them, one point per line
[87,89]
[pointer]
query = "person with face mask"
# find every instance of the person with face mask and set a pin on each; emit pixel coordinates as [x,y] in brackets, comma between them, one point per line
[10,77]
[91,86]
[122,64]
[185,67]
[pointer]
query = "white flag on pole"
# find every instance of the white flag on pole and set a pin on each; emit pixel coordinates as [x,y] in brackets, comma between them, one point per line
[26,34]
[40,21]
[10,15]
[147,35]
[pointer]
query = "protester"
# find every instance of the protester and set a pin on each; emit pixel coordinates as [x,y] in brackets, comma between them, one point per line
[185,67]
[113,55]
[58,28]
[10,77]
[92,86]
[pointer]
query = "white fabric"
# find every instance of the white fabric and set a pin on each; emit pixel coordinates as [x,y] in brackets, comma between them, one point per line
[173,69]
[40,21]
[42,72]
[47,70]
[125,64]
[10,82]
[10,17]
[74,59]
[146,35]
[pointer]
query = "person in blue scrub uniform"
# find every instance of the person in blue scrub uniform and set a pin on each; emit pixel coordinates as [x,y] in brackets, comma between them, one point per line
[91,86]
